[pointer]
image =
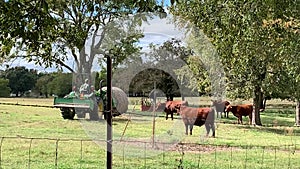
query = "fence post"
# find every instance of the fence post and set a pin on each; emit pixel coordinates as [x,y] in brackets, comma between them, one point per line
[81,155]
[56,154]
[246,157]
[123,156]
[2,138]
[275,157]
[145,155]
[230,157]
[29,153]
[163,154]
[181,160]
[215,156]
[262,162]
[199,158]
[289,157]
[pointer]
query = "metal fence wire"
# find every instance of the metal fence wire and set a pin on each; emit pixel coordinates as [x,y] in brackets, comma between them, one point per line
[37,153]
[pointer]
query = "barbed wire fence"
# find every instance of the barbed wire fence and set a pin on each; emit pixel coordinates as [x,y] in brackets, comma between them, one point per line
[25,152]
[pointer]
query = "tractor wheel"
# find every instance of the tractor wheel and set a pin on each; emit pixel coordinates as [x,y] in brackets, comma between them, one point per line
[68,113]
[97,113]
[81,112]
[81,115]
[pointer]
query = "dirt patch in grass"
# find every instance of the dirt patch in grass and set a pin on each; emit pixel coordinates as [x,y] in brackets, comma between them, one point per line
[178,147]
[198,148]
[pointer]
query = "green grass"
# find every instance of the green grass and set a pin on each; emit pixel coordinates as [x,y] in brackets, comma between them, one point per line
[28,101]
[31,137]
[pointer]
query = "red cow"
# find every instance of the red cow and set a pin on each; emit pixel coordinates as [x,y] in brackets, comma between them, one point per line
[173,107]
[241,110]
[198,116]
[220,107]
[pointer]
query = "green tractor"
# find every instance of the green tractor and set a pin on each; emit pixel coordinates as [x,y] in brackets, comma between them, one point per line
[93,104]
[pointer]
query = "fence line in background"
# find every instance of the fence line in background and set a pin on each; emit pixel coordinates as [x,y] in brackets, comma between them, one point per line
[198,151]
[268,106]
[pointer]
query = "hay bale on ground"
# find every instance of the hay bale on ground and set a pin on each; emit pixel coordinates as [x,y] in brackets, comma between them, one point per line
[120,99]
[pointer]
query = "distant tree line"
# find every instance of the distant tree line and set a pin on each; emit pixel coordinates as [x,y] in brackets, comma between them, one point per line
[20,82]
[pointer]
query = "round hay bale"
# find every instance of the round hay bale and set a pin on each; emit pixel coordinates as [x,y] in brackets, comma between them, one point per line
[120,99]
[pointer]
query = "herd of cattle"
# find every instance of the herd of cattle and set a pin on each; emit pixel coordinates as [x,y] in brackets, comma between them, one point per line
[205,115]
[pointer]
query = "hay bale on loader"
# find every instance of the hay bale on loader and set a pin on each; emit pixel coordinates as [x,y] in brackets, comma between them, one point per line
[119,98]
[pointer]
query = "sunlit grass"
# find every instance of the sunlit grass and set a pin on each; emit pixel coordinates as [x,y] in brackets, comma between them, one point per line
[41,138]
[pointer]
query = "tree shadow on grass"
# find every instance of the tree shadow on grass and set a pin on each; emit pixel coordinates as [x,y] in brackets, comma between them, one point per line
[280,130]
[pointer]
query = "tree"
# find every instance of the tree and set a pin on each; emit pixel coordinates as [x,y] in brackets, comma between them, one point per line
[146,80]
[202,72]
[248,49]
[61,84]
[21,79]
[42,84]
[4,89]
[155,66]
[288,86]
[49,33]
[97,81]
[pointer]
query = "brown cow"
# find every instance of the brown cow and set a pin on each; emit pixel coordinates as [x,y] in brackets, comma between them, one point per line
[220,107]
[241,110]
[173,107]
[198,116]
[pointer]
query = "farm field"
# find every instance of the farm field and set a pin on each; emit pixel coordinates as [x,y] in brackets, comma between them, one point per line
[38,137]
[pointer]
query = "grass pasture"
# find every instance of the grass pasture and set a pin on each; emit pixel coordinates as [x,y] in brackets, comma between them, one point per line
[38,137]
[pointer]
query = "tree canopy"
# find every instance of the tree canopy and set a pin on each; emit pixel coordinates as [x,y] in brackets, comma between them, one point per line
[20,79]
[251,37]
[4,89]
[50,33]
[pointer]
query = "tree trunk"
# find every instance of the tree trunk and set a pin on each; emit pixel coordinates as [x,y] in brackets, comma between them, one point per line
[257,100]
[297,123]
[263,101]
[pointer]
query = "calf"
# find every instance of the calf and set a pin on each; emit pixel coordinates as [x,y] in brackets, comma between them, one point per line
[198,116]
[220,107]
[173,107]
[241,110]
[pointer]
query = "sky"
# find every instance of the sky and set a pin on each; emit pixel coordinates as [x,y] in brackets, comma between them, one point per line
[160,30]
[157,31]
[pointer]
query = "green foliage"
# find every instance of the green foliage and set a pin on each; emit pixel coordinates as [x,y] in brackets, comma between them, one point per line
[42,84]
[97,81]
[39,28]
[61,84]
[203,71]
[144,82]
[253,38]
[251,52]
[158,66]
[20,79]
[4,89]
